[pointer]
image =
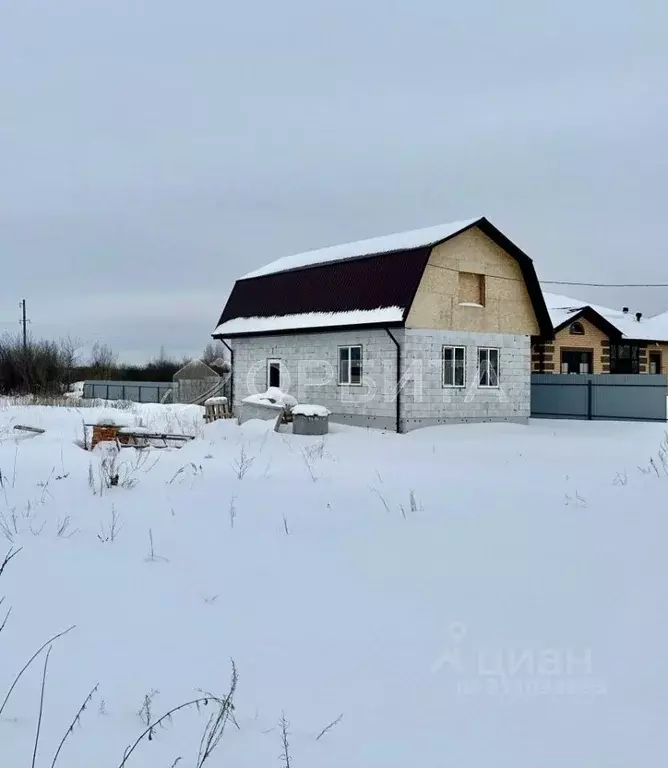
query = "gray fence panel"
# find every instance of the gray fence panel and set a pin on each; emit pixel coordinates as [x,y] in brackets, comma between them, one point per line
[632,397]
[558,397]
[134,391]
[618,397]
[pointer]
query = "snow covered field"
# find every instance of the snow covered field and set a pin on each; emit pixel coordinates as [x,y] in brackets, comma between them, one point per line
[476,595]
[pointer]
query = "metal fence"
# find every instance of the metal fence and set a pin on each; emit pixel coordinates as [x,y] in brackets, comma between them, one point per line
[135,391]
[615,397]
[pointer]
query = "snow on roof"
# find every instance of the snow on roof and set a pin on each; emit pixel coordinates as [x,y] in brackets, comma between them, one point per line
[309,320]
[401,241]
[657,327]
[647,329]
[561,307]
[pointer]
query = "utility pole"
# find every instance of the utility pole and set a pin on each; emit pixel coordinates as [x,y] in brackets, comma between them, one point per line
[24,323]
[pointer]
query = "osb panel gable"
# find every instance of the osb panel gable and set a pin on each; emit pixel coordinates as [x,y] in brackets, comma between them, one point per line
[472,287]
[508,307]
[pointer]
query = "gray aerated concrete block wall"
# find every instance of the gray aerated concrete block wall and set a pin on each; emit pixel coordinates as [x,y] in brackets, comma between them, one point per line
[309,372]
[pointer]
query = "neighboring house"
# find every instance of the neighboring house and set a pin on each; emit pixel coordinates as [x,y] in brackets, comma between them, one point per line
[592,339]
[397,332]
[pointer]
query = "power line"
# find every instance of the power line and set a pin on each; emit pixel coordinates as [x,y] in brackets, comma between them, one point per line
[569,282]
[607,285]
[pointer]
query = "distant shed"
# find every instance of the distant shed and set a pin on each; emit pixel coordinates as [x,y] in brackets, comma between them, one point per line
[198,380]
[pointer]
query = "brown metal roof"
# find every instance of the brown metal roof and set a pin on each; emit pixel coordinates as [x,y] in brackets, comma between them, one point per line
[363,283]
[371,282]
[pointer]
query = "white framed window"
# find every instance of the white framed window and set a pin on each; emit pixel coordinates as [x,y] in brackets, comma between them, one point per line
[454,366]
[350,365]
[273,373]
[488,366]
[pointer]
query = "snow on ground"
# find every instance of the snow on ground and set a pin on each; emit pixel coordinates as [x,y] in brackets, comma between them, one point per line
[475,595]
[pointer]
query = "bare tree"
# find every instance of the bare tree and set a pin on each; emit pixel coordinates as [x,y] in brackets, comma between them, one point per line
[215,351]
[40,367]
[69,351]
[103,360]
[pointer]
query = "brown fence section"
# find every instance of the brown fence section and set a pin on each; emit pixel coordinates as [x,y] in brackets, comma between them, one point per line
[613,397]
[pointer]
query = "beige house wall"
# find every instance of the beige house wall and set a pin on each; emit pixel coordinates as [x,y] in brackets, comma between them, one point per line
[593,339]
[507,307]
[661,347]
[549,354]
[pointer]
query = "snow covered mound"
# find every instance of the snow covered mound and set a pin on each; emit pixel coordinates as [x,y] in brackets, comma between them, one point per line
[305,409]
[478,595]
[273,396]
[216,401]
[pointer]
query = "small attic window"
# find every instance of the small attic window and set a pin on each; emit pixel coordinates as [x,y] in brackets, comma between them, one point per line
[577,329]
[471,289]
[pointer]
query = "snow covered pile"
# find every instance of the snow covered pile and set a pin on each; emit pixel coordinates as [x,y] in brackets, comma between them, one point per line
[118,419]
[216,401]
[305,409]
[76,391]
[470,595]
[276,397]
[273,396]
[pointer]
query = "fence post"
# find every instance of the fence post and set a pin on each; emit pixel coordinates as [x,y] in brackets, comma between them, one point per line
[590,387]
[107,391]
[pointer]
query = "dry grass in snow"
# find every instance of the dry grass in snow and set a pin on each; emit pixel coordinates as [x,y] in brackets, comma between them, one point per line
[473,596]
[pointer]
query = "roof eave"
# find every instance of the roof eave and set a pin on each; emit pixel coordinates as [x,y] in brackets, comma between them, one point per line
[633,340]
[312,329]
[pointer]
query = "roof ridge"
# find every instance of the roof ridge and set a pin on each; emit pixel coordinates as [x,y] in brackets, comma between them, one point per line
[373,246]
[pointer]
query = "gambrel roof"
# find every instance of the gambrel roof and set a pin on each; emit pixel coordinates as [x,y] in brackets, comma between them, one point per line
[367,283]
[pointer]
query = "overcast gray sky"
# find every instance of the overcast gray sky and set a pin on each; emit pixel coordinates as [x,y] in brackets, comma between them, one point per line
[152,150]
